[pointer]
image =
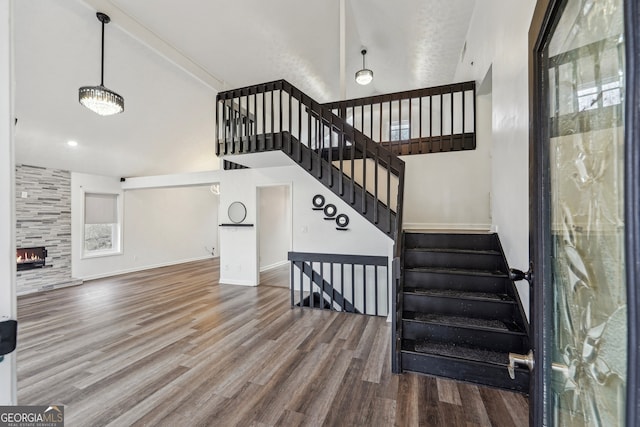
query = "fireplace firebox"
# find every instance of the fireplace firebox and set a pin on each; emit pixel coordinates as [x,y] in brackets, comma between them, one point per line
[30,258]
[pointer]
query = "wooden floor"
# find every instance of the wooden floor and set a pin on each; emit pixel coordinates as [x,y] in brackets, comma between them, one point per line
[172,347]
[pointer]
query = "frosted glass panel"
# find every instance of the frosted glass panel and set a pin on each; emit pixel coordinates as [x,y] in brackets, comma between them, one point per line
[586,152]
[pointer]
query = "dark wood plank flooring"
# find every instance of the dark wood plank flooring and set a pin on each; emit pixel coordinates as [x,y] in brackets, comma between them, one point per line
[172,347]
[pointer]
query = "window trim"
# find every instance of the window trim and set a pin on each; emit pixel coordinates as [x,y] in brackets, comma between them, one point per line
[119,233]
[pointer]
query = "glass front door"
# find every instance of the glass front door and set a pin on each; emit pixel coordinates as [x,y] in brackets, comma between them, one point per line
[584,91]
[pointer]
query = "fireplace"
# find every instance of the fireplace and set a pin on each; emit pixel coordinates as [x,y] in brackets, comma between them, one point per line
[30,258]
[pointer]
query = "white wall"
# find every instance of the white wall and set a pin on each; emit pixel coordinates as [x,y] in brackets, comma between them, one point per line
[498,38]
[7,202]
[451,190]
[274,225]
[311,233]
[162,226]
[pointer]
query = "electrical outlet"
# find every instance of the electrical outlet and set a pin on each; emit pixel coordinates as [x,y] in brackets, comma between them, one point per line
[24,194]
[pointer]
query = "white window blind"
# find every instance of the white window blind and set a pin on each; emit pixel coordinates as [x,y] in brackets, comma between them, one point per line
[100,208]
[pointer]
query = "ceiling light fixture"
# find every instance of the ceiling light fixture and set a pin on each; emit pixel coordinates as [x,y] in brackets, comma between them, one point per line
[364,76]
[72,143]
[99,99]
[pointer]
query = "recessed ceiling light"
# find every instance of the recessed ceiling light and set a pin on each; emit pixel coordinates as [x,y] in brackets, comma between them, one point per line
[72,143]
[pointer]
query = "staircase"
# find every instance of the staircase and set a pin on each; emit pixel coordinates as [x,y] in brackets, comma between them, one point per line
[455,312]
[460,311]
[276,116]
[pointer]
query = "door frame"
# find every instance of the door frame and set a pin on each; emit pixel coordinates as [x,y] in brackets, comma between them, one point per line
[632,203]
[542,23]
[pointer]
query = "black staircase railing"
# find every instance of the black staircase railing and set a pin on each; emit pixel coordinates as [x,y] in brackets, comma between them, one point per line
[278,116]
[363,173]
[417,121]
[350,283]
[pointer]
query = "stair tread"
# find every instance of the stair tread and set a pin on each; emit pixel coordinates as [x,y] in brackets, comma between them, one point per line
[456,350]
[463,271]
[463,321]
[500,297]
[455,250]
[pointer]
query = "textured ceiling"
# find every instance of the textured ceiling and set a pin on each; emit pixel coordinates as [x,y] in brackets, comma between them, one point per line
[167,126]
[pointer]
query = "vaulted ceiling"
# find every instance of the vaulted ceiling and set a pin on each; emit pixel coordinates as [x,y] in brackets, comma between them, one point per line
[168,59]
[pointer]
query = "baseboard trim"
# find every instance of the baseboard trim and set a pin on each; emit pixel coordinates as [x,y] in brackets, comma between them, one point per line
[146,267]
[223,281]
[47,288]
[274,265]
[445,226]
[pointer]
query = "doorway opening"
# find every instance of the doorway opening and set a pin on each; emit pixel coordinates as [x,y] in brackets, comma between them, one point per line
[274,234]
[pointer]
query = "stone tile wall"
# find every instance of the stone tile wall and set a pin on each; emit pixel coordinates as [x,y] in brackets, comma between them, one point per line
[43,218]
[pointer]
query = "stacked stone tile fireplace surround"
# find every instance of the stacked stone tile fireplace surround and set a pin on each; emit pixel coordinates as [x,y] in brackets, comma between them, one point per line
[43,218]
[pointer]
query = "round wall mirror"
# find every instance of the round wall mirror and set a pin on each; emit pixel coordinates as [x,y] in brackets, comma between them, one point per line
[237,212]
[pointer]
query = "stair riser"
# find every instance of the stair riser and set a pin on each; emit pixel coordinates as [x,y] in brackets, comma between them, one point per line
[459,307]
[487,262]
[451,241]
[474,372]
[491,340]
[457,282]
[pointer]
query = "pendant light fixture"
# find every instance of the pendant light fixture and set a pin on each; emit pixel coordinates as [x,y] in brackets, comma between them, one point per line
[99,99]
[364,76]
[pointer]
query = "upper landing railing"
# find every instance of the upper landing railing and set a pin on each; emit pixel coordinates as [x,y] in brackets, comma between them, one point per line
[435,119]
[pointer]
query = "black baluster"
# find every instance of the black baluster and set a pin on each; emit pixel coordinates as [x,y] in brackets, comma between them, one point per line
[375,269]
[218,128]
[290,146]
[291,283]
[364,288]
[389,191]
[430,123]
[375,185]
[463,114]
[410,129]
[264,117]
[420,126]
[441,119]
[301,283]
[452,118]
[353,286]
[331,284]
[321,286]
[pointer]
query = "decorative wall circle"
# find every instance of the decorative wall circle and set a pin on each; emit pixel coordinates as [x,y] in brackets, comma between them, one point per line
[330,210]
[237,212]
[318,201]
[342,220]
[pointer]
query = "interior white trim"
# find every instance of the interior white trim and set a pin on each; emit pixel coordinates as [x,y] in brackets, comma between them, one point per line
[236,282]
[146,267]
[274,265]
[445,226]
[172,180]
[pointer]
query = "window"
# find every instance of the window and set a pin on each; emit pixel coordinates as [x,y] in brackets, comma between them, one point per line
[101,224]
[400,131]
